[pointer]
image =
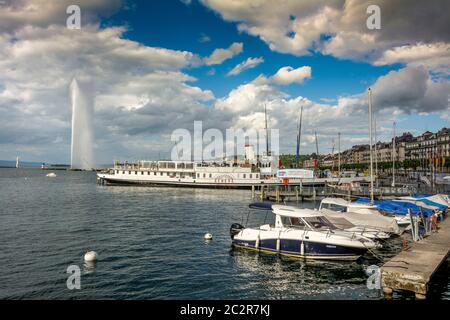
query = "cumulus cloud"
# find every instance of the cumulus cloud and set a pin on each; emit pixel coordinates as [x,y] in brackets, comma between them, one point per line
[285,76]
[395,95]
[14,14]
[411,90]
[142,92]
[250,63]
[410,31]
[220,55]
[288,75]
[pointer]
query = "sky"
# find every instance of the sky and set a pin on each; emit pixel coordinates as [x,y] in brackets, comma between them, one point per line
[156,66]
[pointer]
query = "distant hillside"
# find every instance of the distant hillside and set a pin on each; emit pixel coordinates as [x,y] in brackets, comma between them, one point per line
[24,164]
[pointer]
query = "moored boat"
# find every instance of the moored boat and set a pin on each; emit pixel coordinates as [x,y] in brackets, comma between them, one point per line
[303,233]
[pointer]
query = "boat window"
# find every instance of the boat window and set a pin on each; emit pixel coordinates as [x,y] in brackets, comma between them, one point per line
[320,223]
[244,175]
[250,175]
[210,175]
[154,173]
[123,172]
[142,172]
[129,172]
[292,222]
[336,207]
[135,172]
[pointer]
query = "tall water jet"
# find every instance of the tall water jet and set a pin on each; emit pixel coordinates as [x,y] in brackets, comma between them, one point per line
[82,128]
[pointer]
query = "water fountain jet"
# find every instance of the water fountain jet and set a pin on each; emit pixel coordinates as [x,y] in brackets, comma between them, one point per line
[82,128]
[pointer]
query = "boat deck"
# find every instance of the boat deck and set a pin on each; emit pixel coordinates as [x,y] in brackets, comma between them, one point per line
[412,269]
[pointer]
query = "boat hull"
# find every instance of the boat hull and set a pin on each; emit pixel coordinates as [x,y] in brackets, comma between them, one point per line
[293,248]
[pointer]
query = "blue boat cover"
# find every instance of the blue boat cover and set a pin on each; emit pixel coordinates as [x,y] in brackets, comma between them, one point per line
[260,205]
[397,207]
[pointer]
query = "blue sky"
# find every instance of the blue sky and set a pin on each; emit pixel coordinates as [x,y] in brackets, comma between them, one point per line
[175,25]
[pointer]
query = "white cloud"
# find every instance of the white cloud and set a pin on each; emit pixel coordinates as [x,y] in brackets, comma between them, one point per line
[288,75]
[204,38]
[140,91]
[14,14]
[338,28]
[245,65]
[285,76]
[220,55]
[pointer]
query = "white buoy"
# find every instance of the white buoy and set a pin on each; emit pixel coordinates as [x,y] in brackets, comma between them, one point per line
[51,174]
[208,236]
[90,256]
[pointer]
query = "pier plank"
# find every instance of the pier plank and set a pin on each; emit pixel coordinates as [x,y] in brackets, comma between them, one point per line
[412,269]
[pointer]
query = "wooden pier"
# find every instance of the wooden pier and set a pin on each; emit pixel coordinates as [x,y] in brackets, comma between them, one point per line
[412,269]
[281,193]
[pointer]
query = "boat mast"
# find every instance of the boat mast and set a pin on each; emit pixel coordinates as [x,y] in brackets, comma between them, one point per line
[339,154]
[267,131]
[317,145]
[299,134]
[370,146]
[376,144]
[393,158]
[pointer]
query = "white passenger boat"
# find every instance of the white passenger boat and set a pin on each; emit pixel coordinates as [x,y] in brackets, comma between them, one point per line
[301,233]
[361,216]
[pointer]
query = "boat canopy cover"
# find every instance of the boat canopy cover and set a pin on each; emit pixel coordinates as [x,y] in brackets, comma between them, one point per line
[397,207]
[288,211]
[437,201]
[352,206]
[336,201]
[260,205]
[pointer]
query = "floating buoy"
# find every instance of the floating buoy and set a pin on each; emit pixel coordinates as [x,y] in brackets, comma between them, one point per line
[208,236]
[51,174]
[90,256]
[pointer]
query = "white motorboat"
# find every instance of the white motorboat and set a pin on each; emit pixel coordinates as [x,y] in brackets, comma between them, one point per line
[359,216]
[301,233]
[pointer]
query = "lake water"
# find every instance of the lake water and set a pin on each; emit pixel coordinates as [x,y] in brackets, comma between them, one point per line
[150,245]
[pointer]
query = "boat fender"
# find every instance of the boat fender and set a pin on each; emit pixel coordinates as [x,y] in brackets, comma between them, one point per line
[257,242]
[90,256]
[302,249]
[208,236]
[278,242]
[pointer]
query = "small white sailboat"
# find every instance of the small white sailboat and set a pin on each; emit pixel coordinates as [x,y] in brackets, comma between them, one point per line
[51,175]
[301,233]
